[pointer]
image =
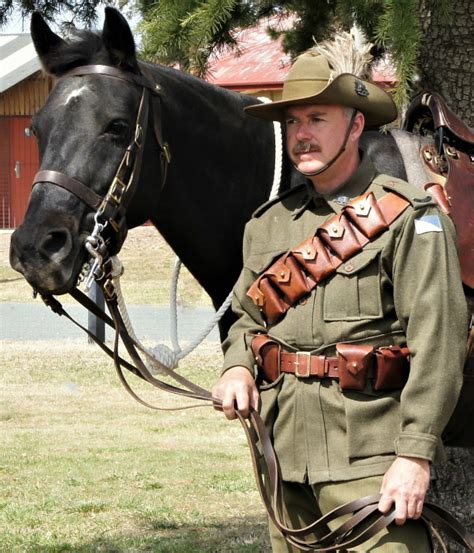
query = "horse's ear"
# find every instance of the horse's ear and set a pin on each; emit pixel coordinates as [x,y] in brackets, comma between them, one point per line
[118,40]
[45,41]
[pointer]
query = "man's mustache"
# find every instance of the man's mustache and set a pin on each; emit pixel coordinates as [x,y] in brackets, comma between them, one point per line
[304,147]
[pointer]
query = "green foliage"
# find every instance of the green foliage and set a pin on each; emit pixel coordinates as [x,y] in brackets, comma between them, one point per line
[78,13]
[188,32]
[399,31]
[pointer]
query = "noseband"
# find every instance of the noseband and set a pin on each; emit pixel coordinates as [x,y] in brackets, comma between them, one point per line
[111,209]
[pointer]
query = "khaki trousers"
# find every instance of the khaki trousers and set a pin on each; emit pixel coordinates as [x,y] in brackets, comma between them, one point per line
[304,504]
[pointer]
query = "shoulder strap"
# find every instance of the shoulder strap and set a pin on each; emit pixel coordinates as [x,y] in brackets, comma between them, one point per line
[299,270]
[261,209]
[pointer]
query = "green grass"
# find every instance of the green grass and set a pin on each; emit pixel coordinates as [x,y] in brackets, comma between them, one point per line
[84,468]
[148,263]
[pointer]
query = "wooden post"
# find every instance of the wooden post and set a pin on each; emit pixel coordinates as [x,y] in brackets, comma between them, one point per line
[95,325]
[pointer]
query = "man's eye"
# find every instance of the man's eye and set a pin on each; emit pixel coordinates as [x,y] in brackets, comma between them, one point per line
[290,121]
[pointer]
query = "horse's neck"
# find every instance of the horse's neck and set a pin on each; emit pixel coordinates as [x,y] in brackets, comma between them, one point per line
[221,169]
[409,146]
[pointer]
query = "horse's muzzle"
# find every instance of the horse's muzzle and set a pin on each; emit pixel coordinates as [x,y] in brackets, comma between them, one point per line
[45,258]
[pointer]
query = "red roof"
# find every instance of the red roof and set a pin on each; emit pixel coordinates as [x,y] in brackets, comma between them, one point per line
[260,62]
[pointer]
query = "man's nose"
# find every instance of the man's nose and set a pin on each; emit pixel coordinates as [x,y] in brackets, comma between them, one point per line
[303,131]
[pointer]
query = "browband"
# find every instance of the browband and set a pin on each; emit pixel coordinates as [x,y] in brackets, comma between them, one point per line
[110,71]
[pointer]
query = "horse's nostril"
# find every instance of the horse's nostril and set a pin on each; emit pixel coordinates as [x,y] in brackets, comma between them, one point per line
[54,242]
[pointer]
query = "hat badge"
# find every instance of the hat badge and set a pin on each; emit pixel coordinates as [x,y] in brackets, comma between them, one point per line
[360,88]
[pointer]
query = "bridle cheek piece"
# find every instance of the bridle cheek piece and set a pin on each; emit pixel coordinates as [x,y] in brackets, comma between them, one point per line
[111,209]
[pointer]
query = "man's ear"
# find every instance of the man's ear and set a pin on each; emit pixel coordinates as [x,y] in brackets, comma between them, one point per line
[47,43]
[118,40]
[358,125]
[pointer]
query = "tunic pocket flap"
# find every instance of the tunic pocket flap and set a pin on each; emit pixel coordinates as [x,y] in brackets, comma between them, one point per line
[357,262]
[258,262]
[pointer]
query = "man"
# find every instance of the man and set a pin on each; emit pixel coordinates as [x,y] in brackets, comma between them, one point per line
[337,442]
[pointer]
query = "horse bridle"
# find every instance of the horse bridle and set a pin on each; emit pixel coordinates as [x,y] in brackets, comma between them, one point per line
[366,521]
[111,209]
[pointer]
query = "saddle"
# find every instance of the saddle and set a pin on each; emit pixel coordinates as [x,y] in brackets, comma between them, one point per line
[450,163]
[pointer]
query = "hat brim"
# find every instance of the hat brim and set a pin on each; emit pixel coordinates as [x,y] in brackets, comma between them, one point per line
[377,105]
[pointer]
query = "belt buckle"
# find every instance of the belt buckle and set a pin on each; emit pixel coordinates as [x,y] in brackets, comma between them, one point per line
[305,373]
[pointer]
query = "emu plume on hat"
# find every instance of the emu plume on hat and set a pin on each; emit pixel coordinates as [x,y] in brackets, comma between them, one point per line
[333,72]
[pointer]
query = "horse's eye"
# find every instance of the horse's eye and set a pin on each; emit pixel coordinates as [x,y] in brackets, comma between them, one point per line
[116,128]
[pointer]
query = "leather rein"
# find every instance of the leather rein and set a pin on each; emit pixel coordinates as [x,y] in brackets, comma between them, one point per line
[365,520]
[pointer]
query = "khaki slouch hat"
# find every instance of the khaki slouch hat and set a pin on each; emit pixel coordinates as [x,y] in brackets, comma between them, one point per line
[310,81]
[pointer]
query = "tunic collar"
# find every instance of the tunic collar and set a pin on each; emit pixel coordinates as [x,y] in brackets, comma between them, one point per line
[354,186]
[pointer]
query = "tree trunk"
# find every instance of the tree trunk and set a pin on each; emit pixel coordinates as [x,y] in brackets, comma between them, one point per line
[446,66]
[446,60]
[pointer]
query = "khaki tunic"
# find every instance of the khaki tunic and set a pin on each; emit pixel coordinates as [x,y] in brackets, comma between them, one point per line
[403,288]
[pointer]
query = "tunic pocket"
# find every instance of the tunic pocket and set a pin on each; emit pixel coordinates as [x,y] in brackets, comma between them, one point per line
[354,291]
[373,422]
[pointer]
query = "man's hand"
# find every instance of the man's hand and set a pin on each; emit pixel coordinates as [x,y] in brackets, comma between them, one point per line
[405,483]
[237,390]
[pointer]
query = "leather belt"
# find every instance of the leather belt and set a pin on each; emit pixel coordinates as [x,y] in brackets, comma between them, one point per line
[355,363]
[304,365]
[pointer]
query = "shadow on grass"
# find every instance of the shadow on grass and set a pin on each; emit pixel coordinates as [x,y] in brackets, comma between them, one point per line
[248,537]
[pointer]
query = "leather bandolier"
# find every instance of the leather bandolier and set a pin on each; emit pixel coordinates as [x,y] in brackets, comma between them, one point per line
[298,271]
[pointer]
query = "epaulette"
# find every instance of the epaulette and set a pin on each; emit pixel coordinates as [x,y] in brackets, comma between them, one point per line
[262,208]
[417,197]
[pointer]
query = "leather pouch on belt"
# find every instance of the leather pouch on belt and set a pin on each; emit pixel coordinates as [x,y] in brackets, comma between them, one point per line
[391,368]
[267,356]
[354,362]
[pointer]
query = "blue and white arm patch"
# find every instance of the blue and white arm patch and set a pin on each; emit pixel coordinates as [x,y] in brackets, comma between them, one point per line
[428,223]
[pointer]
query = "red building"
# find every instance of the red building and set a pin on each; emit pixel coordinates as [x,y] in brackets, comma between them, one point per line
[23,90]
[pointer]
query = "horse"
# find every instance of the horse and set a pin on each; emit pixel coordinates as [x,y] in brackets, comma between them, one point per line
[221,166]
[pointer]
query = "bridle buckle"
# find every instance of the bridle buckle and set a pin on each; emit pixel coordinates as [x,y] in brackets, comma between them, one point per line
[117,190]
